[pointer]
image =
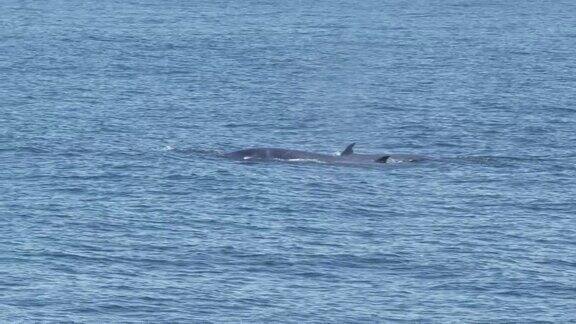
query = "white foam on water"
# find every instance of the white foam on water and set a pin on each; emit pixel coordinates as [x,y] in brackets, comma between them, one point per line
[305,160]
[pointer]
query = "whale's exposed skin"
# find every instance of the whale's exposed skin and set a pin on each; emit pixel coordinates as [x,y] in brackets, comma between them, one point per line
[346,157]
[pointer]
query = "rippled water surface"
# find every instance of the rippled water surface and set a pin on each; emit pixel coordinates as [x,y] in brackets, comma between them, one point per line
[116,206]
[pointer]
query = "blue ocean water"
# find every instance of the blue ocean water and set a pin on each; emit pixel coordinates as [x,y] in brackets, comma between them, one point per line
[115,205]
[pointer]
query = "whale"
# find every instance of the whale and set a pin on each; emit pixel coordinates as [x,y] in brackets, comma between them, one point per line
[347,156]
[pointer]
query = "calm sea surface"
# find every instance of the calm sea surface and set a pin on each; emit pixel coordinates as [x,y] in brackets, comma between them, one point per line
[115,205]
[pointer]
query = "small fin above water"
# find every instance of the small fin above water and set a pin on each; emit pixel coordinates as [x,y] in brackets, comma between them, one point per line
[383,159]
[349,150]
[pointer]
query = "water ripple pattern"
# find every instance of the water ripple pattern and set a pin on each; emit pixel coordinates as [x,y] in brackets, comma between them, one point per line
[116,206]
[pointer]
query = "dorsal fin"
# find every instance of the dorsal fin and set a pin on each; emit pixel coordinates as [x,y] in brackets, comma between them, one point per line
[349,150]
[383,159]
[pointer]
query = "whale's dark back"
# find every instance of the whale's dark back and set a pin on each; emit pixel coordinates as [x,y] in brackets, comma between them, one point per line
[267,154]
[275,154]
